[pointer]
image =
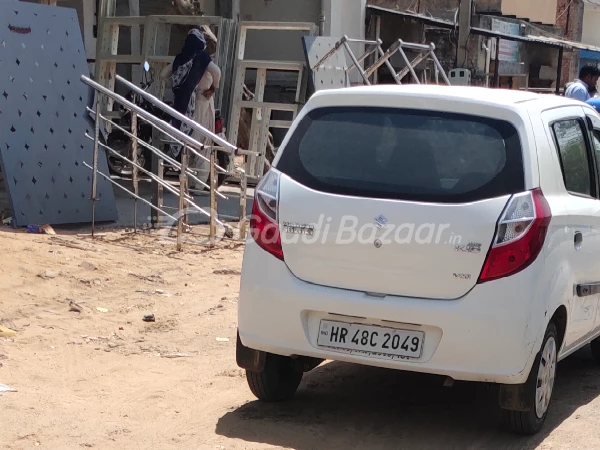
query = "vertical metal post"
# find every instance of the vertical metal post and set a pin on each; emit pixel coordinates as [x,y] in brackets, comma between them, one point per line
[497,65]
[157,189]
[182,193]
[134,169]
[559,70]
[213,198]
[409,66]
[185,161]
[356,63]
[95,162]
[464,30]
[243,202]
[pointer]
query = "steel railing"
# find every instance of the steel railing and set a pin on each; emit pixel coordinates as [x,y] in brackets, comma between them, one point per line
[189,145]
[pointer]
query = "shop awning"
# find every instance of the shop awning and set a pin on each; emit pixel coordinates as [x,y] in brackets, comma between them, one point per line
[590,55]
[429,20]
[555,42]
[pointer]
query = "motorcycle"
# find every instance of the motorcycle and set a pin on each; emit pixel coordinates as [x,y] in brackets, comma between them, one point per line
[120,142]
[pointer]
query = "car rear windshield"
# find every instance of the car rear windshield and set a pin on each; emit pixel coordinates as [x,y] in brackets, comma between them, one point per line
[404,154]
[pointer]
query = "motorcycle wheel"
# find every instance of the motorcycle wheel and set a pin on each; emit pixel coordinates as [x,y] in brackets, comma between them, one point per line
[122,144]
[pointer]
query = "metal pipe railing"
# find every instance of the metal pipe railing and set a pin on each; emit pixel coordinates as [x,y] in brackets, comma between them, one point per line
[159,123]
[157,152]
[184,119]
[163,183]
[137,197]
[188,143]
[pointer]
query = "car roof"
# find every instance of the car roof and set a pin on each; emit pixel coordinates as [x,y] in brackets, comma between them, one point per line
[507,98]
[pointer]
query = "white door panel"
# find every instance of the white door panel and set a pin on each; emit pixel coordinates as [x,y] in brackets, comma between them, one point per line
[582,222]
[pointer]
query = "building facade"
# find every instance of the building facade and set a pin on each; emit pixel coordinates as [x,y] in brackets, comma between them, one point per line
[521,62]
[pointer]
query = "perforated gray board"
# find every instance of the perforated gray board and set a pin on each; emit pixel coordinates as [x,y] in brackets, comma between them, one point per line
[43,118]
[332,74]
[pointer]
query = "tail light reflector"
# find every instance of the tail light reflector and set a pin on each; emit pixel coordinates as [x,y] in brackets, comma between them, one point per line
[519,237]
[263,223]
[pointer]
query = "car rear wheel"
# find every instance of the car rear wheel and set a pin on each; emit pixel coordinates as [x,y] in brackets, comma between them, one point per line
[595,347]
[537,390]
[277,382]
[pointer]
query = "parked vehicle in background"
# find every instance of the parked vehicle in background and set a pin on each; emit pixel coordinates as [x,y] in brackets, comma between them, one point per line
[443,230]
[121,142]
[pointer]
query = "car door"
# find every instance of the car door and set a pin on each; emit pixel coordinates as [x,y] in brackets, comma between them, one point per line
[568,129]
[594,122]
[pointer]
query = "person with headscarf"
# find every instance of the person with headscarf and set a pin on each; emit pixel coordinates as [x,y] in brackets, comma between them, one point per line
[195,78]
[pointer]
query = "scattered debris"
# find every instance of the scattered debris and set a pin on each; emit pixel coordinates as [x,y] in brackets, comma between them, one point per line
[227,272]
[6,332]
[5,388]
[40,229]
[219,339]
[48,274]
[74,307]
[47,229]
[152,292]
[149,318]
[152,278]
[72,244]
[175,355]
[102,310]
[88,266]
[213,310]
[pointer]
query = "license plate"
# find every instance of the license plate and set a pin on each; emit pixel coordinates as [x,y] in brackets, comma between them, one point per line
[370,340]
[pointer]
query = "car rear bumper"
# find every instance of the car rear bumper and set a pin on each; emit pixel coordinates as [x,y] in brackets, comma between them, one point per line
[486,336]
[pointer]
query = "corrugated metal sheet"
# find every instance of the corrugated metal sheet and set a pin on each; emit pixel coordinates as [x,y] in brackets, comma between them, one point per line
[564,43]
[429,20]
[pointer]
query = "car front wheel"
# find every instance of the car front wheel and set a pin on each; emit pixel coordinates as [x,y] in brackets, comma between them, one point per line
[537,390]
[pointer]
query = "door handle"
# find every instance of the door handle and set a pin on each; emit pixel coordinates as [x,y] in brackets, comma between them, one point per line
[578,240]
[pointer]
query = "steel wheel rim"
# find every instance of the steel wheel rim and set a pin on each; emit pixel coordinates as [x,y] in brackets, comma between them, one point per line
[545,378]
[123,148]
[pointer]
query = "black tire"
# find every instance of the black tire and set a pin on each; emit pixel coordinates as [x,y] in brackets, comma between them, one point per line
[277,382]
[595,347]
[528,423]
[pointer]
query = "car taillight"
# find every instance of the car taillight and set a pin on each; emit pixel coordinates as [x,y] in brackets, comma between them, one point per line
[520,236]
[263,223]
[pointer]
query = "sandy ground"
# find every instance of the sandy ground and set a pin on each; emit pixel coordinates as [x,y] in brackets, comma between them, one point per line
[106,379]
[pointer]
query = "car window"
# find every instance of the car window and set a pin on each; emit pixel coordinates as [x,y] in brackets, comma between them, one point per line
[573,153]
[404,154]
[596,139]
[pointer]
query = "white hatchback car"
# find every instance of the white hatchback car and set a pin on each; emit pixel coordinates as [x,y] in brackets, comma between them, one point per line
[444,230]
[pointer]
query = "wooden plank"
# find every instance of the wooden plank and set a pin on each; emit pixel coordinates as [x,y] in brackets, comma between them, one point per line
[126,21]
[280,124]
[136,43]
[274,106]
[187,20]
[122,59]
[281,26]
[259,116]
[106,43]
[272,65]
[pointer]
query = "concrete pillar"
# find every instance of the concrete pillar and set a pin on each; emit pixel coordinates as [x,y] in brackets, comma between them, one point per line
[343,17]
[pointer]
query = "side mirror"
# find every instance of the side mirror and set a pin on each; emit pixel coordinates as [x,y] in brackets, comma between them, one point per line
[146,66]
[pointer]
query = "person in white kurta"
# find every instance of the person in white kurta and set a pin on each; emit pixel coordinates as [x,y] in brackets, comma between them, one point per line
[204,115]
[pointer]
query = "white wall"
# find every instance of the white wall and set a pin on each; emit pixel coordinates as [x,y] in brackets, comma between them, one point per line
[278,45]
[346,18]
[591,25]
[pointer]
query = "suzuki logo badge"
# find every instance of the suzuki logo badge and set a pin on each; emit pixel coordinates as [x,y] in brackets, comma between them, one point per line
[380,221]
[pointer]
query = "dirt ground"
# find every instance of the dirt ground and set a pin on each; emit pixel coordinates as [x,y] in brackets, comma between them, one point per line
[103,378]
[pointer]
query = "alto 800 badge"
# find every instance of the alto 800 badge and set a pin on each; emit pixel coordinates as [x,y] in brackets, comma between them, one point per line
[299,228]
